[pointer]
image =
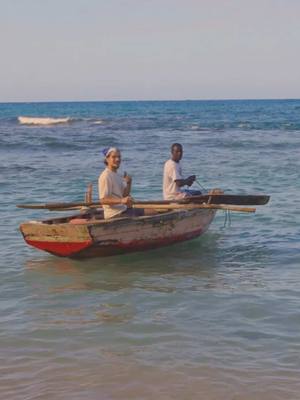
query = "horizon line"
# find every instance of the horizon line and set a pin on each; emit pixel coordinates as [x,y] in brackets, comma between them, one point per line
[148,100]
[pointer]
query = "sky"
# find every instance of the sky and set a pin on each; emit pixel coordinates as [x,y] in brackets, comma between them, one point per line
[77,50]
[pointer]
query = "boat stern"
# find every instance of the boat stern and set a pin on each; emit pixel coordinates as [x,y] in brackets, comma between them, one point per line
[63,240]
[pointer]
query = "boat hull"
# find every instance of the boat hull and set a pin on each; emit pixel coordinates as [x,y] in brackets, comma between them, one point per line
[87,239]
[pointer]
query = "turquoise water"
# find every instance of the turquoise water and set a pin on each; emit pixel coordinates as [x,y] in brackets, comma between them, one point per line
[214,318]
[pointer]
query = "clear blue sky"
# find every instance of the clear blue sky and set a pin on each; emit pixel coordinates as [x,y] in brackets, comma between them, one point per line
[155,49]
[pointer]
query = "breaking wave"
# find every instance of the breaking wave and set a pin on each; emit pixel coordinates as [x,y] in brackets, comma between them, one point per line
[42,120]
[53,121]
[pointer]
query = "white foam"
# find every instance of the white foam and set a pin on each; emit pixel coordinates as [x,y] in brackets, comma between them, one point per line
[43,120]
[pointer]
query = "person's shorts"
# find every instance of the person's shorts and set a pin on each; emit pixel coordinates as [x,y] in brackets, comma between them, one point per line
[191,192]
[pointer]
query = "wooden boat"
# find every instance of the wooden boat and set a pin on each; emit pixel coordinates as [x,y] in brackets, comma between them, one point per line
[89,235]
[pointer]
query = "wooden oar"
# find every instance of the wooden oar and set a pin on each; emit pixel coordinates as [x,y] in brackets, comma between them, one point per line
[53,206]
[194,206]
[153,206]
[209,198]
[222,198]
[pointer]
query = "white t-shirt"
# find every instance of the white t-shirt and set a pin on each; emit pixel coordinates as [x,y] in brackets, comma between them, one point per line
[111,184]
[172,172]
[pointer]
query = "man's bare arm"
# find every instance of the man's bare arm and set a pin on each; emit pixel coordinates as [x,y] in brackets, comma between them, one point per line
[112,201]
[188,181]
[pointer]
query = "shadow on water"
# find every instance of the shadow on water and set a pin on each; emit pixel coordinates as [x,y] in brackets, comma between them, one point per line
[207,263]
[113,289]
[195,258]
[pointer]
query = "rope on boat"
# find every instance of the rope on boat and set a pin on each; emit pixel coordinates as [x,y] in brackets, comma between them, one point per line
[201,186]
[227,221]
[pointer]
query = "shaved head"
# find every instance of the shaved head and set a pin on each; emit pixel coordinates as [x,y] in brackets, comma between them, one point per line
[176,151]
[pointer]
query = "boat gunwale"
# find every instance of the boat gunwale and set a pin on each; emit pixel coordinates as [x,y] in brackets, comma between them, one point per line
[165,215]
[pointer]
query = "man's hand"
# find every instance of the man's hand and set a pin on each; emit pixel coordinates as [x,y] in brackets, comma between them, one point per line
[128,201]
[190,180]
[127,178]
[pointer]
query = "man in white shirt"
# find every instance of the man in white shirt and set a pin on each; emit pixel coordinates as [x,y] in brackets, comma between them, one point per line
[173,179]
[114,190]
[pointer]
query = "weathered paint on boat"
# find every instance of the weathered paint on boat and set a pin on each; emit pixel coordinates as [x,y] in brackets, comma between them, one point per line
[98,238]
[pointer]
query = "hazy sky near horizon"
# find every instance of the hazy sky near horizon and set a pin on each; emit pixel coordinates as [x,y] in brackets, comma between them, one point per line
[157,49]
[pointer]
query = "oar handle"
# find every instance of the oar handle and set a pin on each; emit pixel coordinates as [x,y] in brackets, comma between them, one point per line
[53,206]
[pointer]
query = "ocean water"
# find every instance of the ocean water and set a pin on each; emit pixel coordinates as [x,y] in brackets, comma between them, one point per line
[214,318]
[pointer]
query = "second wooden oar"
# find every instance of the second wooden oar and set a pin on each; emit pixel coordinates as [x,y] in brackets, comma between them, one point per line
[155,206]
[195,206]
[167,207]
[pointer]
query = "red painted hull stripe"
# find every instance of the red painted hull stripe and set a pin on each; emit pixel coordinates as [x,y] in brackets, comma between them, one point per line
[60,248]
[71,248]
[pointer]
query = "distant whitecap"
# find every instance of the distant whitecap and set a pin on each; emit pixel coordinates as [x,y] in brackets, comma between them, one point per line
[43,120]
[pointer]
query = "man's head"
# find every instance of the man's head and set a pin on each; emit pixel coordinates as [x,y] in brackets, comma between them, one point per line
[176,151]
[113,158]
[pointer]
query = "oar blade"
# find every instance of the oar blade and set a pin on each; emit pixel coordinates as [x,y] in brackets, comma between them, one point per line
[234,199]
[56,206]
